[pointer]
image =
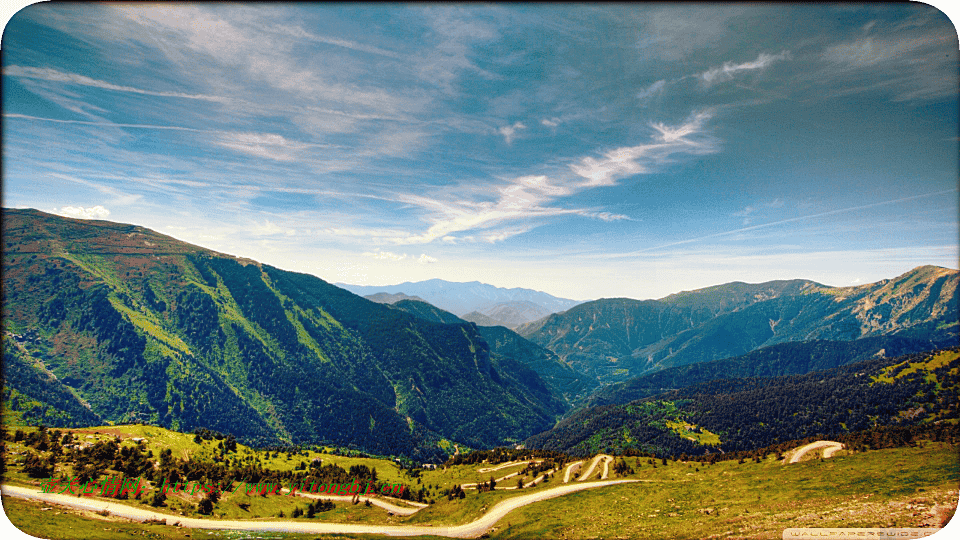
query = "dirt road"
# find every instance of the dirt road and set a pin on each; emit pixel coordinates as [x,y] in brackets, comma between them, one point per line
[831,448]
[468,530]
[593,465]
[571,469]
[505,465]
[397,510]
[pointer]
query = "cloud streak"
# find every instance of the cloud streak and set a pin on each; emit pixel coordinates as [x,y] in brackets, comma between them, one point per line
[777,223]
[727,71]
[53,75]
[530,198]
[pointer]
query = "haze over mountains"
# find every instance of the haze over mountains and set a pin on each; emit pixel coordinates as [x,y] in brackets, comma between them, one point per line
[106,322]
[508,307]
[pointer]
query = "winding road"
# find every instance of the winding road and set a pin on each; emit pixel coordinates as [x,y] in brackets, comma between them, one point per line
[829,447]
[469,530]
[593,465]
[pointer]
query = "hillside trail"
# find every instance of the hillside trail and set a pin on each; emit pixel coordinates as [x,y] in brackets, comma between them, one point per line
[469,530]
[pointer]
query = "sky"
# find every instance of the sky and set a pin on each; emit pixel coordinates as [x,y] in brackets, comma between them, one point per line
[587,151]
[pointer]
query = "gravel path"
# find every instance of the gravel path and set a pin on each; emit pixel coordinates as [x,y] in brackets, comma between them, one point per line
[469,530]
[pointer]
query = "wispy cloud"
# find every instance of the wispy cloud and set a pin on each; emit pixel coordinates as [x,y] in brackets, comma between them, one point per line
[652,90]
[777,223]
[119,197]
[626,161]
[269,228]
[909,61]
[48,74]
[748,212]
[533,197]
[509,131]
[299,32]
[727,71]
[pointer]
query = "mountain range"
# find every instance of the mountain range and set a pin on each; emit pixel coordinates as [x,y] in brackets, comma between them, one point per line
[107,322]
[620,338]
[506,307]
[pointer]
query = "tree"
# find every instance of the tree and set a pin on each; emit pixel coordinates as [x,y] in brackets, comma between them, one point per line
[205,506]
[158,499]
[35,467]
[493,483]
[520,483]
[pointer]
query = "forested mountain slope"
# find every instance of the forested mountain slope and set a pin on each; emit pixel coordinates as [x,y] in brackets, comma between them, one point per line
[793,358]
[747,413]
[143,327]
[508,345]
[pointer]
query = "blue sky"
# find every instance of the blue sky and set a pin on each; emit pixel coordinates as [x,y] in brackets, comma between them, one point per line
[584,150]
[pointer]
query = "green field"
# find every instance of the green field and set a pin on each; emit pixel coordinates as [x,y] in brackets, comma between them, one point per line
[908,486]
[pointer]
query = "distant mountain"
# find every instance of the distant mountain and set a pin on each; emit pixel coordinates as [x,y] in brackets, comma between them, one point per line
[513,314]
[427,312]
[128,325]
[387,298]
[617,339]
[482,320]
[747,413]
[720,299]
[462,298]
[508,346]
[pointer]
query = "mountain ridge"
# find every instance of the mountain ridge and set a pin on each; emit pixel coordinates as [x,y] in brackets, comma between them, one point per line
[144,327]
[616,339]
[461,298]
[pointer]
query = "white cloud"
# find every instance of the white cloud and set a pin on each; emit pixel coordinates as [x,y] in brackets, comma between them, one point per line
[79,212]
[728,69]
[267,145]
[426,259]
[509,131]
[550,122]
[628,161]
[385,255]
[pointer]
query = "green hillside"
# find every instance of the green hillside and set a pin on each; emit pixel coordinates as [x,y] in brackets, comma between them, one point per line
[145,328]
[618,339]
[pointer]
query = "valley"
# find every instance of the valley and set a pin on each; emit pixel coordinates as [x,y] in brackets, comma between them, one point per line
[649,498]
[163,359]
